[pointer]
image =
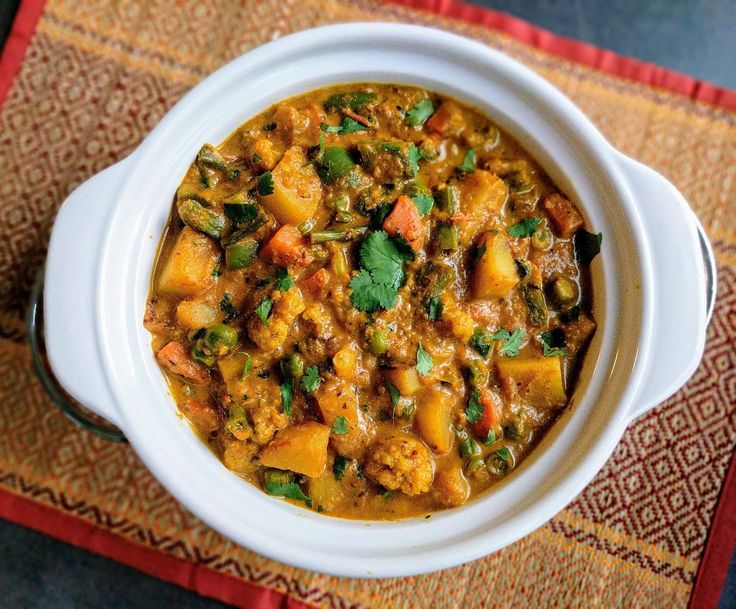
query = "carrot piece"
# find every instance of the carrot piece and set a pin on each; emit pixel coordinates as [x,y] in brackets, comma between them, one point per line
[316,283]
[405,220]
[174,358]
[563,214]
[356,117]
[490,419]
[202,415]
[439,121]
[288,248]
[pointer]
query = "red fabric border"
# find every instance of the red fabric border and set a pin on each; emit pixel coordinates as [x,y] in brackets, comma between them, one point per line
[719,547]
[24,26]
[580,52]
[198,578]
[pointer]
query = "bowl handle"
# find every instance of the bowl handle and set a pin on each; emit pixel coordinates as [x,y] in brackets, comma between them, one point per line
[70,291]
[685,284]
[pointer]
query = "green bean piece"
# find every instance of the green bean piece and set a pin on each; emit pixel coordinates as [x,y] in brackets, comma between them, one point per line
[338,234]
[292,366]
[564,292]
[340,202]
[541,239]
[209,156]
[334,164]
[477,373]
[277,476]
[221,338]
[434,277]
[306,227]
[468,447]
[344,217]
[448,199]
[534,299]
[241,254]
[378,342]
[204,220]
[237,424]
[448,237]
[474,464]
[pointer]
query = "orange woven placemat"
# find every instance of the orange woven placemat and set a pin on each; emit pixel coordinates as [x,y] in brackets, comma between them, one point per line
[95,79]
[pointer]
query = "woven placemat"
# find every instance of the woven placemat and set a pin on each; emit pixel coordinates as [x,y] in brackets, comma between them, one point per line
[96,78]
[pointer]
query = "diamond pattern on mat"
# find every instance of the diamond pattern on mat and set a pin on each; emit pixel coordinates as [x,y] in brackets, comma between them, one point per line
[664,477]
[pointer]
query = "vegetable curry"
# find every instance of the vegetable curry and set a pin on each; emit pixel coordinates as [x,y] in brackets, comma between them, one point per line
[371,301]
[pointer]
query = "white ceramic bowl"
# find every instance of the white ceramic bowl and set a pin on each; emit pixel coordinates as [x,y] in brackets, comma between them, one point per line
[650,286]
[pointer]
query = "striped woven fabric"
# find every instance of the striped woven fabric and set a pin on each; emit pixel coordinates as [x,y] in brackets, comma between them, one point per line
[97,76]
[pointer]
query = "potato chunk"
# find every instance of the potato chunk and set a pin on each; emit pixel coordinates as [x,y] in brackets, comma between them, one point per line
[297,189]
[405,379]
[337,398]
[188,269]
[482,194]
[495,273]
[536,380]
[301,448]
[432,419]
[195,314]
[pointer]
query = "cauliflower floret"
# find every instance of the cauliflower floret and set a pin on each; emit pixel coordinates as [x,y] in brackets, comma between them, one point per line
[286,306]
[401,462]
[458,321]
[239,456]
[266,421]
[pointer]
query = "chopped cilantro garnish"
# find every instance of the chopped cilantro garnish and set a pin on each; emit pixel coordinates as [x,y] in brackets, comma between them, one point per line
[522,267]
[587,245]
[256,157]
[434,308]
[288,490]
[424,361]
[340,426]
[414,155]
[311,379]
[491,437]
[423,202]
[283,281]
[216,272]
[269,127]
[339,467]
[263,310]
[287,394]
[391,147]
[348,125]
[394,393]
[419,114]
[505,454]
[240,213]
[382,273]
[481,341]
[234,173]
[226,306]
[474,409]
[525,228]
[553,344]
[265,184]
[511,342]
[468,164]
[247,367]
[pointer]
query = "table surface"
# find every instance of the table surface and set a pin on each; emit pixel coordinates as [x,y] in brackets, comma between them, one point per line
[695,37]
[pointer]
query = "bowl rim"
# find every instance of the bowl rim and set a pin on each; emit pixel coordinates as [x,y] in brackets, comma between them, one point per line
[109,303]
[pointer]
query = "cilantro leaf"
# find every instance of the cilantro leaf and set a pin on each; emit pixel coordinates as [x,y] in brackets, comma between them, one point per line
[474,409]
[413,156]
[311,379]
[339,467]
[434,308]
[468,164]
[265,184]
[247,367]
[424,361]
[423,202]
[287,394]
[256,157]
[283,281]
[481,341]
[240,213]
[419,114]
[269,127]
[288,490]
[340,426]
[382,264]
[525,228]
[491,437]
[394,393]
[226,306]
[587,245]
[511,342]
[263,310]
[505,454]
[348,125]
[553,344]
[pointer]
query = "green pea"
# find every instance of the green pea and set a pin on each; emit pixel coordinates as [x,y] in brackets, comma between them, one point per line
[199,355]
[378,342]
[292,366]
[221,338]
[469,448]
[541,239]
[564,292]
